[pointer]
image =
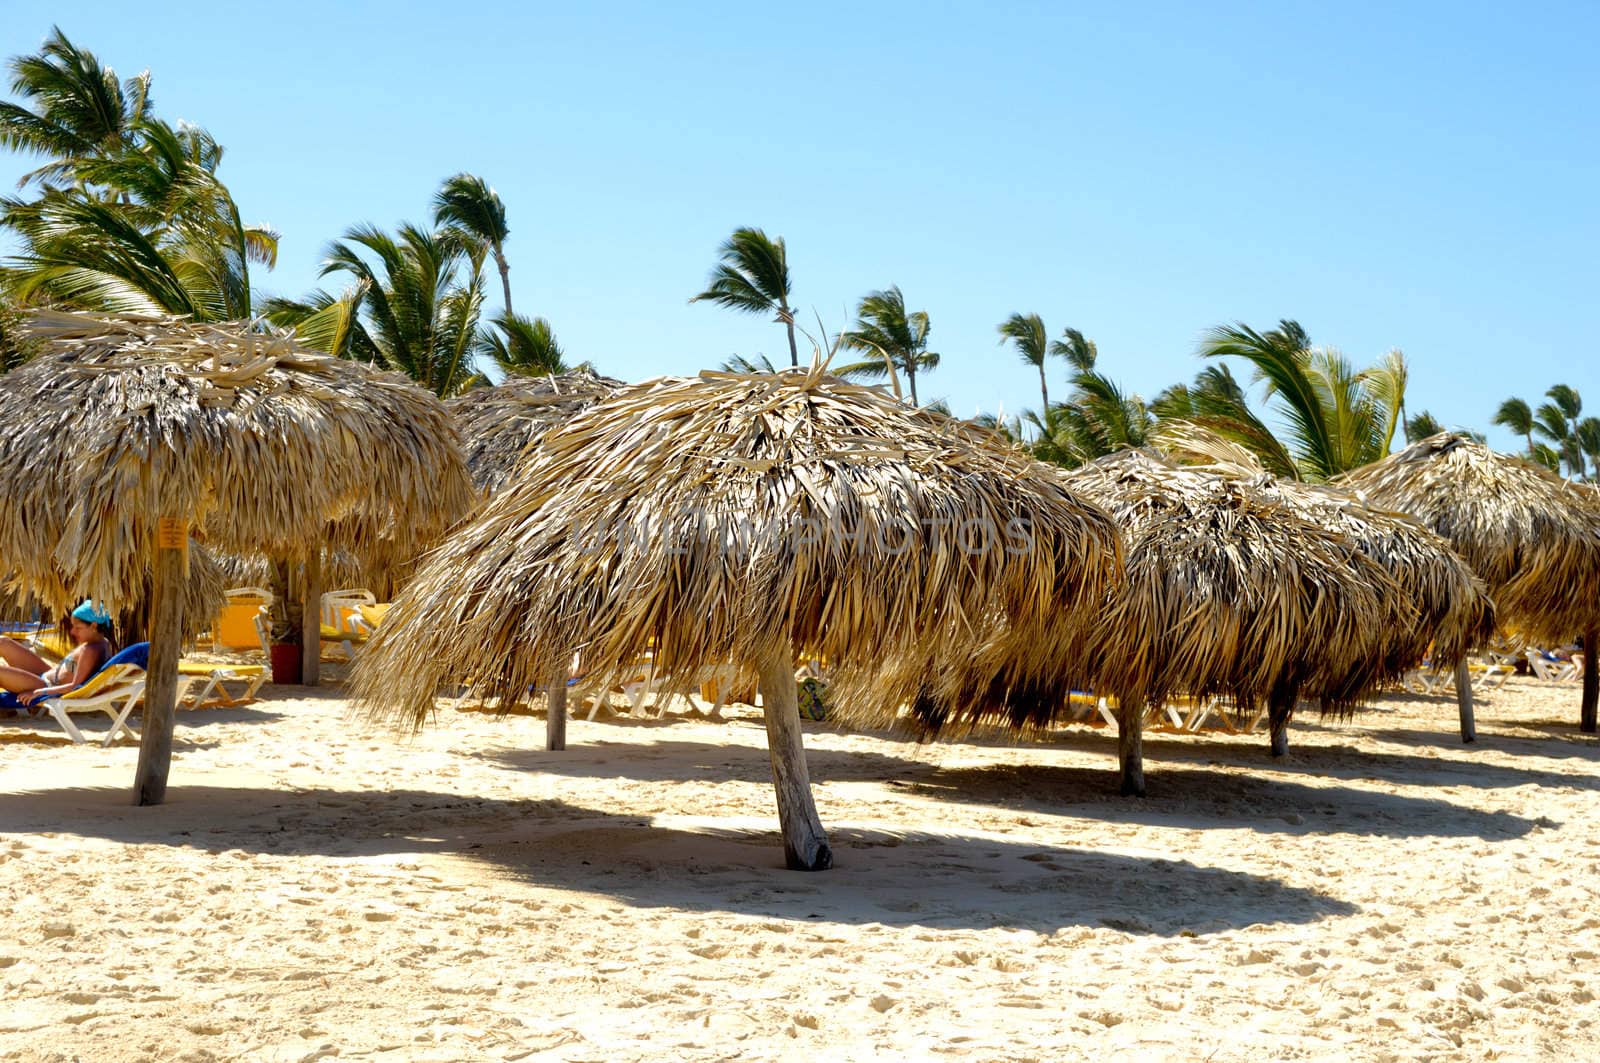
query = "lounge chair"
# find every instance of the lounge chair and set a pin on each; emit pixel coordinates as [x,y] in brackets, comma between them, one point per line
[252,676]
[342,620]
[1547,665]
[242,624]
[114,690]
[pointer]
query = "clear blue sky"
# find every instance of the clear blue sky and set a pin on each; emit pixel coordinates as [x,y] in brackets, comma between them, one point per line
[1420,176]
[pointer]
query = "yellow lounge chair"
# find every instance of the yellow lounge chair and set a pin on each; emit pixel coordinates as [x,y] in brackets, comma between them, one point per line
[113,691]
[215,675]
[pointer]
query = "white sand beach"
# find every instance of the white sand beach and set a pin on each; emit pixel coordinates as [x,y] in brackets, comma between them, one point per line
[316,888]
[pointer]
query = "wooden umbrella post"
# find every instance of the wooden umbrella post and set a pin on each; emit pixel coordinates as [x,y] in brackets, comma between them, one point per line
[805,845]
[1469,727]
[555,712]
[311,619]
[1591,681]
[1130,743]
[1280,706]
[161,684]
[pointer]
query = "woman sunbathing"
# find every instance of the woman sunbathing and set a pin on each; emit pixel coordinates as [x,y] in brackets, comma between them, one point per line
[29,679]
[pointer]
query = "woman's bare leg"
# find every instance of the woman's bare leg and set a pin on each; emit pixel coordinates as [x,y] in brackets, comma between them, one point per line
[18,681]
[17,655]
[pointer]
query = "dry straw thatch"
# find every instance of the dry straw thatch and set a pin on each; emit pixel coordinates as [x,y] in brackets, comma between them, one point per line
[1532,537]
[202,598]
[256,443]
[499,425]
[1230,592]
[1453,612]
[746,518]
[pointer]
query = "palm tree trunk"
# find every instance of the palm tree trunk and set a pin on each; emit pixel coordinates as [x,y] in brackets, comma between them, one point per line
[1044,393]
[505,275]
[788,321]
[911,378]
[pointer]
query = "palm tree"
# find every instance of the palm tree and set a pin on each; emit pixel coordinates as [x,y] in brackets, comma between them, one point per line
[884,330]
[415,307]
[1587,434]
[522,346]
[1423,425]
[738,363]
[753,277]
[1516,416]
[1338,417]
[1216,403]
[14,349]
[469,204]
[1027,332]
[167,238]
[1079,351]
[78,109]
[1564,407]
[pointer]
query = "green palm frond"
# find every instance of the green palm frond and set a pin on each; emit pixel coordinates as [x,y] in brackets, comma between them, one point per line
[894,339]
[523,346]
[1079,351]
[1026,333]
[1515,415]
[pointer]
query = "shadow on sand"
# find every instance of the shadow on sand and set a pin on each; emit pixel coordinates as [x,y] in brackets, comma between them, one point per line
[919,878]
[1180,793]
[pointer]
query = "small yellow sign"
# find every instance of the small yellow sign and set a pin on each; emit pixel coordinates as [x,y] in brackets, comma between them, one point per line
[172,533]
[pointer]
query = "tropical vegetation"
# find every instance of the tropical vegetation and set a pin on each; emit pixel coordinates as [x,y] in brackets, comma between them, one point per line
[893,340]
[1567,440]
[752,277]
[124,211]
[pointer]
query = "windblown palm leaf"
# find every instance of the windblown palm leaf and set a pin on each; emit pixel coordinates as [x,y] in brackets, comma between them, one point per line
[523,346]
[467,203]
[753,278]
[79,110]
[884,330]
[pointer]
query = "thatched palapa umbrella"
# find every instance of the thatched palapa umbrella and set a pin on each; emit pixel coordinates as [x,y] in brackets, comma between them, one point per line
[202,597]
[1532,537]
[132,431]
[1228,592]
[746,518]
[1453,612]
[499,425]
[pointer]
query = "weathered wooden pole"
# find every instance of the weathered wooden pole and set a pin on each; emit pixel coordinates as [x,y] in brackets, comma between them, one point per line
[1130,743]
[311,619]
[1591,681]
[805,845]
[1469,727]
[1280,706]
[161,682]
[555,713]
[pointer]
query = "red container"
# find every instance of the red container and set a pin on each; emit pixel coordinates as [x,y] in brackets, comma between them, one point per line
[285,664]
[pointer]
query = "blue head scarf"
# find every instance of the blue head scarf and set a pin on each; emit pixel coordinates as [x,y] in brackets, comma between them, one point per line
[90,613]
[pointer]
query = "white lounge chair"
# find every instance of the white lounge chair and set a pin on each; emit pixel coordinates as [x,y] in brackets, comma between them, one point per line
[113,691]
[1551,667]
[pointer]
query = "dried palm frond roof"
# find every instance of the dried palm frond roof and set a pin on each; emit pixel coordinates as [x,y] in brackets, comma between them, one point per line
[499,424]
[1453,611]
[259,444]
[1230,592]
[1532,537]
[731,517]
[202,595]
[340,568]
